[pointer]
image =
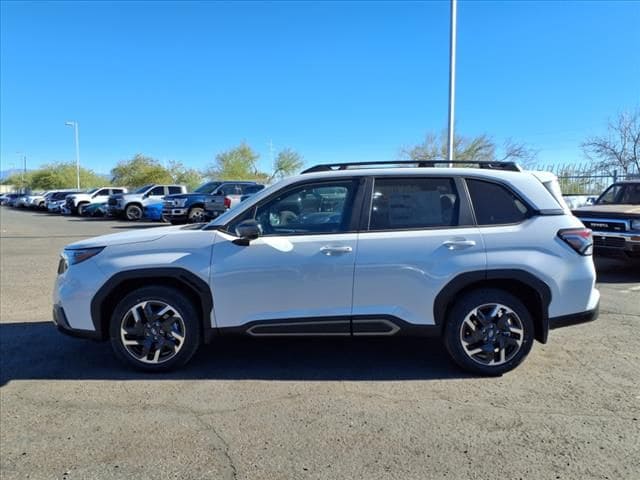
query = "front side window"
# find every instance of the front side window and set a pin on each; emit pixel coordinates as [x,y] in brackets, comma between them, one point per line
[309,209]
[156,191]
[494,204]
[103,192]
[408,203]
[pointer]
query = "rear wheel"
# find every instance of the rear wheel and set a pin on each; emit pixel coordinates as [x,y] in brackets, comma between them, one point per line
[489,331]
[133,212]
[197,215]
[155,329]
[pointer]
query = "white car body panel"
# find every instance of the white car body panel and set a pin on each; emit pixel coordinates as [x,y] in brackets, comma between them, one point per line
[400,273]
[283,276]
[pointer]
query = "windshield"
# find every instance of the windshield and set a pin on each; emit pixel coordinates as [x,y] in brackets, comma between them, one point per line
[207,187]
[143,189]
[621,193]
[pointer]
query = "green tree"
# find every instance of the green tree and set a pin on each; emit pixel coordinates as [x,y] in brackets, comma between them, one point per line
[288,162]
[19,181]
[138,171]
[190,177]
[479,148]
[56,175]
[239,163]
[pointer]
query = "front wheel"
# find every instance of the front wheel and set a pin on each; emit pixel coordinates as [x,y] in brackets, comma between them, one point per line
[155,329]
[489,332]
[197,215]
[81,208]
[133,212]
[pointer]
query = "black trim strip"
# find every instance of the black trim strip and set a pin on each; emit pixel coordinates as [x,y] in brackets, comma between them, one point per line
[575,318]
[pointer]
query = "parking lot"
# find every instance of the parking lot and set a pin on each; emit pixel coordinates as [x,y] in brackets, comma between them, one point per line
[306,408]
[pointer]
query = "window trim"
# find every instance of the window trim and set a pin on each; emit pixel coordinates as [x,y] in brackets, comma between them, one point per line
[531,211]
[354,222]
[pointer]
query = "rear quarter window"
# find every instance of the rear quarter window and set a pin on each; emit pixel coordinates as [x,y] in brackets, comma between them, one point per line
[494,204]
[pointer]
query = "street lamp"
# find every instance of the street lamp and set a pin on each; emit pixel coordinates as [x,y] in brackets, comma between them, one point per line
[75,129]
[24,170]
[452,80]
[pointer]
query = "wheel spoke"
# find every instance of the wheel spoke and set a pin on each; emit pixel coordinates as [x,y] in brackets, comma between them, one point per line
[484,321]
[156,356]
[177,336]
[138,343]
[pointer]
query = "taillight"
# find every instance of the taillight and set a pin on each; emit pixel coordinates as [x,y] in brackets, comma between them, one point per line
[227,202]
[580,239]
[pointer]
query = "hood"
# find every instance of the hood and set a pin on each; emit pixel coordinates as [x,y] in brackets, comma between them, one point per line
[608,210]
[135,236]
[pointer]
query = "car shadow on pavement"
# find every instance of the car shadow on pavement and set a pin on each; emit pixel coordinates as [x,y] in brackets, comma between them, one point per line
[616,271]
[37,351]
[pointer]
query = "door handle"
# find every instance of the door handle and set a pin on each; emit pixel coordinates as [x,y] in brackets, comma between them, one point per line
[459,244]
[335,250]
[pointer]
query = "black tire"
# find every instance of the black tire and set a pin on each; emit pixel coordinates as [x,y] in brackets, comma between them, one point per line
[80,209]
[196,215]
[491,336]
[133,213]
[180,304]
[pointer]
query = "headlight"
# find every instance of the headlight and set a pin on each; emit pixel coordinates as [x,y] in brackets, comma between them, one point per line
[74,256]
[635,224]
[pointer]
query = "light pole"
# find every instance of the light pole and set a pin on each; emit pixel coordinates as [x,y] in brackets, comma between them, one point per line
[75,129]
[452,81]
[23,175]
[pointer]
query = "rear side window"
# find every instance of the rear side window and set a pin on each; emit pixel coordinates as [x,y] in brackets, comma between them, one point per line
[251,189]
[407,203]
[174,190]
[494,204]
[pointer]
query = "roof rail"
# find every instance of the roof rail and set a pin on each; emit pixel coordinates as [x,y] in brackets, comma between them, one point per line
[327,167]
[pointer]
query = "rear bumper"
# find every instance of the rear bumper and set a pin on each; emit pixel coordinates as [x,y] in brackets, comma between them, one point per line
[575,318]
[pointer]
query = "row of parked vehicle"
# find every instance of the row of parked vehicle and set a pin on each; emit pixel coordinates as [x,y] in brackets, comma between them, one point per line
[169,203]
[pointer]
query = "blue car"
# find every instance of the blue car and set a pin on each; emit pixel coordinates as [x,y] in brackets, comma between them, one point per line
[153,211]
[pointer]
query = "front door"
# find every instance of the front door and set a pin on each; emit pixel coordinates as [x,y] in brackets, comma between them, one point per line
[297,277]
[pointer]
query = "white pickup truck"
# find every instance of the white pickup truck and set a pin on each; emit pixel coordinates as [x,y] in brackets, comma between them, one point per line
[76,202]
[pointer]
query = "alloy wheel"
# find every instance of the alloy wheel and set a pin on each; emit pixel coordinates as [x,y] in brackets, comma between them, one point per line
[152,332]
[491,334]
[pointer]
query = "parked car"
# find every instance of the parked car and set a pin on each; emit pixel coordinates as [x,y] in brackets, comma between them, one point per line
[153,211]
[56,200]
[190,207]
[75,203]
[614,219]
[9,198]
[487,258]
[229,197]
[575,201]
[130,206]
[20,201]
[38,200]
[95,210]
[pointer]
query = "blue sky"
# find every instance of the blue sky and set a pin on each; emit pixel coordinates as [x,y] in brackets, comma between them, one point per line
[335,81]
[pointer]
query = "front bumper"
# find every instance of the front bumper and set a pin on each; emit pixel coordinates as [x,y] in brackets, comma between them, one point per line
[575,318]
[616,244]
[60,321]
[175,213]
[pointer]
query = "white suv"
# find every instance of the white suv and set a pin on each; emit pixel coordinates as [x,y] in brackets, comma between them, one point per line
[487,258]
[78,201]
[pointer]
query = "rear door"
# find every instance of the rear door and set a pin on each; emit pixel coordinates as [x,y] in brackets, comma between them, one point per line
[418,235]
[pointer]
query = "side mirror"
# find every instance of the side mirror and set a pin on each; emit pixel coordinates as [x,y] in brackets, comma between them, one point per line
[247,231]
